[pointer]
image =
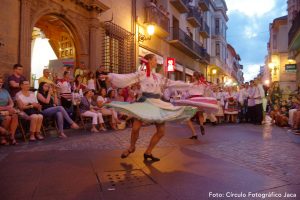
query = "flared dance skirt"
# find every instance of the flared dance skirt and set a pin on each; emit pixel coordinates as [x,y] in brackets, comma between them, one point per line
[154,111]
[206,104]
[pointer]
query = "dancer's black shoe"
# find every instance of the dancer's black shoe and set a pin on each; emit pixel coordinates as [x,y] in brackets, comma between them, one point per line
[202,130]
[194,137]
[127,153]
[151,157]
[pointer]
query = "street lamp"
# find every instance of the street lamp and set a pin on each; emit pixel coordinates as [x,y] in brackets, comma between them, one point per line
[267,82]
[271,65]
[150,32]
[273,68]
[214,72]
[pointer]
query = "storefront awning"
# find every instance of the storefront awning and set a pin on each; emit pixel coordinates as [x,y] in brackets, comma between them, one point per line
[189,71]
[143,52]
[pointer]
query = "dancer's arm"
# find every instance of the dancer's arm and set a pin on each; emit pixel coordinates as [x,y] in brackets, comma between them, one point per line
[123,80]
[177,84]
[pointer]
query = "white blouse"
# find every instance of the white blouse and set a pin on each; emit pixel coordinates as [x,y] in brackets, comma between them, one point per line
[91,84]
[153,84]
[27,99]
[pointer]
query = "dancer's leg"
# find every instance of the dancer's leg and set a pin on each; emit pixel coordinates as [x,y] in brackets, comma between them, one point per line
[191,126]
[201,121]
[137,124]
[160,132]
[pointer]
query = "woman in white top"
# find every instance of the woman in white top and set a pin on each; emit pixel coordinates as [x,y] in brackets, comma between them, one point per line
[91,81]
[28,102]
[231,106]
[101,103]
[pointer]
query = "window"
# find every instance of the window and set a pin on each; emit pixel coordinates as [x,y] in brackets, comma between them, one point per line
[217,26]
[218,49]
[274,41]
[118,49]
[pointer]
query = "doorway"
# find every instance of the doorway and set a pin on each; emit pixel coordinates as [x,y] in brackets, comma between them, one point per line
[52,47]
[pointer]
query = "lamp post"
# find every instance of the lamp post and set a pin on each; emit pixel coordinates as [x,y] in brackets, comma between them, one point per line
[273,68]
[214,72]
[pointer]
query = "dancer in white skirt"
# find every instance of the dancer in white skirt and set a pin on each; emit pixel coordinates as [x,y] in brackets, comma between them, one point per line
[200,99]
[150,107]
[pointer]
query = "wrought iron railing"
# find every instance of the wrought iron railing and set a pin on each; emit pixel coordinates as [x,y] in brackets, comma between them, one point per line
[295,28]
[206,2]
[118,49]
[180,35]
[193,12]
[156,16]
[204,27]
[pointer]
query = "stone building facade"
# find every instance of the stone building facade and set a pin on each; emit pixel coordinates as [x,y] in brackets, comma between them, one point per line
[114,33]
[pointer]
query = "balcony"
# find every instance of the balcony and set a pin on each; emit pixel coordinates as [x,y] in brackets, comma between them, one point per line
[204,5]
[204,30]
[180,5]
[156,17]
[194,17]
[185,43]
[294,29]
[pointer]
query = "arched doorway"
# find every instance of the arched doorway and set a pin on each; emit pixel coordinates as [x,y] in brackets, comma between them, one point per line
[53,46]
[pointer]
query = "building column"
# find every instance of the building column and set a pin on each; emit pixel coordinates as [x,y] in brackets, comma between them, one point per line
[25,37]
[94,27]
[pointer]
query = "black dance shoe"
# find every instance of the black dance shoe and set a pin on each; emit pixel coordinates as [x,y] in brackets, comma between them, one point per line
[194,137]
[151,157]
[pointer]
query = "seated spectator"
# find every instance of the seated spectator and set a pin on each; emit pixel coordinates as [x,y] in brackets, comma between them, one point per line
[28,102]
[88,108]
[64,86]
[78,84]
[131,96]
[275,111]
[101,102]
[296,121]
[15,79]
[46,77]
[111,95]
[119,96]
[282,118]
[47,97]
[9,117]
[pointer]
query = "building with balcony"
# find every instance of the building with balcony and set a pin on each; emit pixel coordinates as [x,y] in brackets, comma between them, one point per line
[95,32]
[281,68]
[294,35]
[217,43]
[234,68]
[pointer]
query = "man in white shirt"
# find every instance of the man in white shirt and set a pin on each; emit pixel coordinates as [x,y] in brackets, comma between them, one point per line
[259,94]
[251,102]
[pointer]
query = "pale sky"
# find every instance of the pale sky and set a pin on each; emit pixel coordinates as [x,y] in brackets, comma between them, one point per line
[248,30]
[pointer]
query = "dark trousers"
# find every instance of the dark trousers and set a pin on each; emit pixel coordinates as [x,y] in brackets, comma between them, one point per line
[250,114]
[243,112]
[258,113]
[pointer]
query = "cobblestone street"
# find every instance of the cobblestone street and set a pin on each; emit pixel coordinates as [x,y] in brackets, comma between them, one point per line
[229,158]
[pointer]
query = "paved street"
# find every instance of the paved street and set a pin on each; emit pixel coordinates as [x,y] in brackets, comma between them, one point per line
[230,158]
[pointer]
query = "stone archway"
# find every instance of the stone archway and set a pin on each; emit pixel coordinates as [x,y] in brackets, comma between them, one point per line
[83,26]
[53,39]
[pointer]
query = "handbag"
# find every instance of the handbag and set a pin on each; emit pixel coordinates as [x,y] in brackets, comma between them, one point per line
[32,111]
